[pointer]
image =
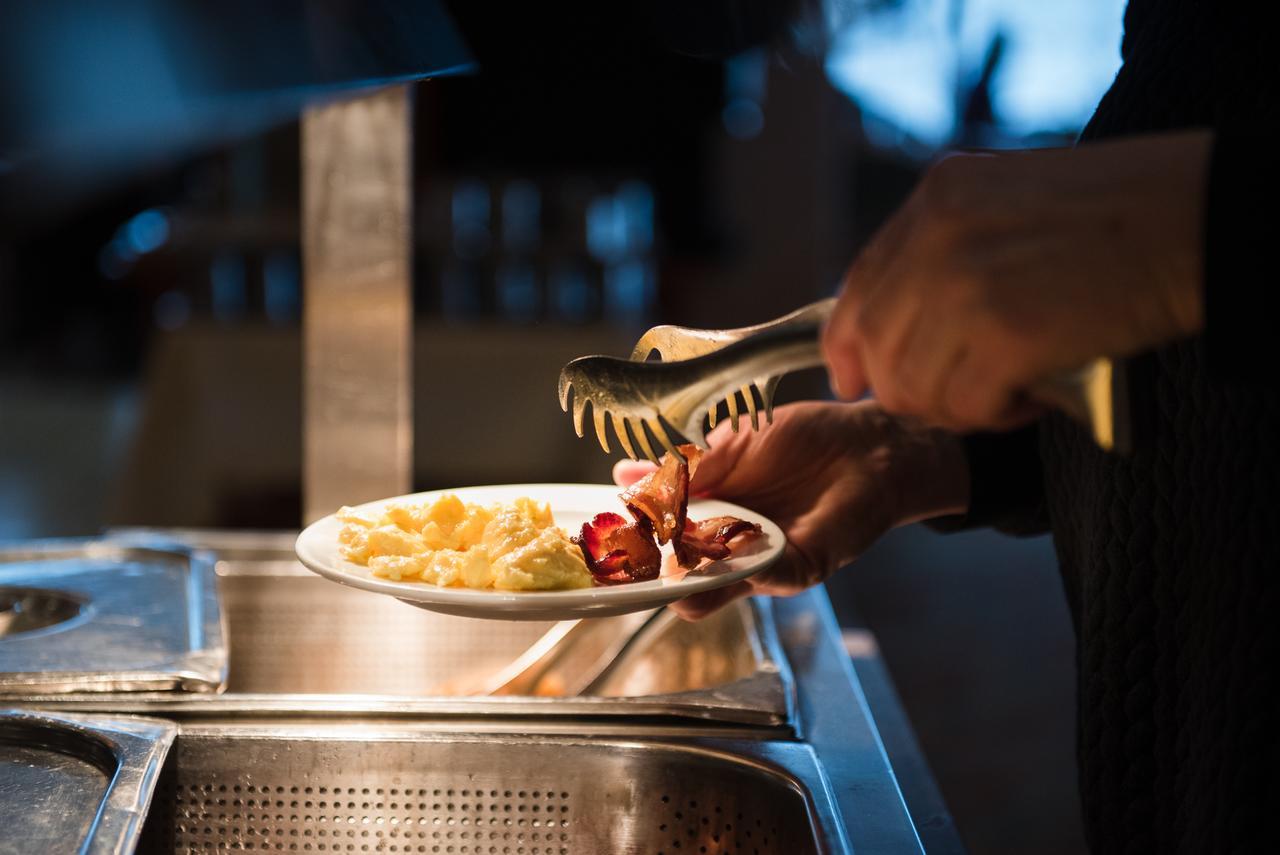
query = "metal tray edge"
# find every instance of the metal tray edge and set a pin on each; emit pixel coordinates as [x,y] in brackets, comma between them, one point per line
[139,746]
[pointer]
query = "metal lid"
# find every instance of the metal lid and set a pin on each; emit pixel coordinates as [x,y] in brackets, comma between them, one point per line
[108,616]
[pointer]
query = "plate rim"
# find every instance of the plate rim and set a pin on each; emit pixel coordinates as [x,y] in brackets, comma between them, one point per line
[572,599]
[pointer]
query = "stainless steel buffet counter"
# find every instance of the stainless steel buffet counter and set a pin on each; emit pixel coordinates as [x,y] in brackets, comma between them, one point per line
[339,728]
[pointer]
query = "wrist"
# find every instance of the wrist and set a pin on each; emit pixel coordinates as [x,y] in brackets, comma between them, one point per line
[1180,169]
[926,473]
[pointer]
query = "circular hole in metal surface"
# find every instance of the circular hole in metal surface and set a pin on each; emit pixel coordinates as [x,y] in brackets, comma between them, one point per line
[25,610]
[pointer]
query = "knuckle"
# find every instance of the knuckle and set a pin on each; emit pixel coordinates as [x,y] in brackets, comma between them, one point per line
[869,326]
[891,397]
[1002,326]
[986,297]
[909,387]
[962,297]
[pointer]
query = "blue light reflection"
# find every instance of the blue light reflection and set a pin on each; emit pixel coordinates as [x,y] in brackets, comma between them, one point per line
[908,65]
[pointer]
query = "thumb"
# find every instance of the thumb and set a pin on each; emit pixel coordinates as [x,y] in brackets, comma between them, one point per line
[719,460]
[627,472]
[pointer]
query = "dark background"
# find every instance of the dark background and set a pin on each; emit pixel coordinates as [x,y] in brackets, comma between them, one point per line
[608,167]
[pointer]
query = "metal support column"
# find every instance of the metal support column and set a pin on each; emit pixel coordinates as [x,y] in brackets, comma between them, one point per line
[357,301]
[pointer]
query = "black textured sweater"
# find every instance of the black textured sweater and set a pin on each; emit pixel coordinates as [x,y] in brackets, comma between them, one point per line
[1170,558]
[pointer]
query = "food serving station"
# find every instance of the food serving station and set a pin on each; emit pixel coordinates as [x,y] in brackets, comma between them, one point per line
[181,691]
[292,714]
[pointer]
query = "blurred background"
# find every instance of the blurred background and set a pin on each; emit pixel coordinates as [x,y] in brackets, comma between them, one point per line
[599,169]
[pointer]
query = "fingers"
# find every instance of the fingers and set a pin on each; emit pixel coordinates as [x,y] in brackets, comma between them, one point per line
[920,375]
[788,577]
[724,450]
[843,340]
[890,319]
[716,463]
[700,605]
[976,396]
[627,472]
[840,348]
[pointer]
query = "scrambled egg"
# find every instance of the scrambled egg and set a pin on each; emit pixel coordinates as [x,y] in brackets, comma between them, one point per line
[512,547]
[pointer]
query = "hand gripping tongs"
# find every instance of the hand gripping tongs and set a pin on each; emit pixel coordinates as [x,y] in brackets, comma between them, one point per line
[664,401]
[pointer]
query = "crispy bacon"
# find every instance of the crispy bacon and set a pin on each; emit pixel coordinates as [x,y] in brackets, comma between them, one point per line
[710,539]
[690,552]
[662,497]
[719,529]
[617,551]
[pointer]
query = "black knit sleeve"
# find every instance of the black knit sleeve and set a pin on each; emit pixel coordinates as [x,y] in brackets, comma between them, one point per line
[1006,484]
[1240,233]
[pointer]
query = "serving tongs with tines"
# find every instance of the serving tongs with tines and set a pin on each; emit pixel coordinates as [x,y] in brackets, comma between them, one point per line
[662,403]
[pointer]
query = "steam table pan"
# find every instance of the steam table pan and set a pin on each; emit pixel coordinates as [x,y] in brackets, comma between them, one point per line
[77,784]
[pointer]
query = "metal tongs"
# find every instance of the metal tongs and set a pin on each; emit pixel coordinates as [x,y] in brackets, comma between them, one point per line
[663,402]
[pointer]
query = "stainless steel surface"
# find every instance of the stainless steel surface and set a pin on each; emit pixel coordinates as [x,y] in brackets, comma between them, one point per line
[293,633]
[646,401]
[300,644]
[30,609]
[668,655]
[570,657]
[97,616]
[829,723]
[637,655]
[357,314]
[837,723]
[77,784]
[929,813]
[410,790]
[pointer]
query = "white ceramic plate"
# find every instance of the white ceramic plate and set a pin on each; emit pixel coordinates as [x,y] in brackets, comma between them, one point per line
[572,505]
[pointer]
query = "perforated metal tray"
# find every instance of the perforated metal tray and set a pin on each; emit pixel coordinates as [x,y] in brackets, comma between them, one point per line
[98,616]
[405,790]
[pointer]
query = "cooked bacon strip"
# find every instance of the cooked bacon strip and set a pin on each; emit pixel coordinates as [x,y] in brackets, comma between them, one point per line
[662,497]
[660,504]
[710,539]
[690,552]
[617,551]
[720,529]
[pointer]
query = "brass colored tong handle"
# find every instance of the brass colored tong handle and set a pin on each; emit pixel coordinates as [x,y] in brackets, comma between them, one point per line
[1096,397]
[675,343]
[1093,395]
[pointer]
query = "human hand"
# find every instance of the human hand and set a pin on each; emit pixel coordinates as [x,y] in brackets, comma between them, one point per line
[834,476]
[1002,270]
